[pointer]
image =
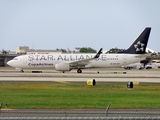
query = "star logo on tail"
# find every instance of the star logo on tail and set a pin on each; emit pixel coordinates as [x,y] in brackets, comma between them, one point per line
[139,46]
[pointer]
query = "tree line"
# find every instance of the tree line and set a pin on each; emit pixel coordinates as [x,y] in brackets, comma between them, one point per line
[91,50]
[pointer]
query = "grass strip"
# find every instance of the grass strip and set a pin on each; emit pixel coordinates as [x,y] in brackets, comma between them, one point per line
[74,95]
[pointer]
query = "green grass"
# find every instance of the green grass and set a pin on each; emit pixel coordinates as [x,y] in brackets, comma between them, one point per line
[74,95]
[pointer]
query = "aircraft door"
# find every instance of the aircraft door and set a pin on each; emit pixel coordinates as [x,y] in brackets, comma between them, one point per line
[25,59]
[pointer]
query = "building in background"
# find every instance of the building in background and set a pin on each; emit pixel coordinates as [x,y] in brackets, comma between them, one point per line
[25,50]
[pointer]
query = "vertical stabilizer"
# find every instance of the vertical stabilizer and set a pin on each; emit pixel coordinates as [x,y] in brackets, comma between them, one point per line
[140,44]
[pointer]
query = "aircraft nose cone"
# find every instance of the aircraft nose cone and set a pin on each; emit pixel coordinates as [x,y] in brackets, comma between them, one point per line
[10,63]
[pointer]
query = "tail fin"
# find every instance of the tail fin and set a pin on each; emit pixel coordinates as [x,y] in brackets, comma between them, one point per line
[140,44]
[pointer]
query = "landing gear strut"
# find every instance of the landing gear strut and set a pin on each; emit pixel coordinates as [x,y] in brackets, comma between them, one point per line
[79,71]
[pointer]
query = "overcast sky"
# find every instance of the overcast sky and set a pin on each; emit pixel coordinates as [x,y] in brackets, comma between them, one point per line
[52,24]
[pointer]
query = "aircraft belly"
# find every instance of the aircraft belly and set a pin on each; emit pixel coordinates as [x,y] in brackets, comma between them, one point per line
[101,64]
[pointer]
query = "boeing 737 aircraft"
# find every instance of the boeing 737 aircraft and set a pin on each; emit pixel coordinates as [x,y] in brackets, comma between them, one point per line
[67,62]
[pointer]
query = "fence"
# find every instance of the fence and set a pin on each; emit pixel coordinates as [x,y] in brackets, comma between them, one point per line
[81,114]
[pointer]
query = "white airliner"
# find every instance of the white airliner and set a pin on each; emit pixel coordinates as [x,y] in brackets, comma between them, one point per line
[148,64]
[67,62]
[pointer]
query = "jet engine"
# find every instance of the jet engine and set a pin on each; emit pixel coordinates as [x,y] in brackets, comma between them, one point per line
[62,67]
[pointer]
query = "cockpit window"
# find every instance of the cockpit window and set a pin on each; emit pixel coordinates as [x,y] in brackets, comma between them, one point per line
[15,58]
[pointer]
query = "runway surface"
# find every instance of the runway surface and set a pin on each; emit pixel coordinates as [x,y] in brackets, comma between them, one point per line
[105,75]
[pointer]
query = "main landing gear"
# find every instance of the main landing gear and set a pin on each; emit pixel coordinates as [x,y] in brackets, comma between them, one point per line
[79,71]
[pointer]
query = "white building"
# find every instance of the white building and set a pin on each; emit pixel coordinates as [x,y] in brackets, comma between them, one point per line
[26,50]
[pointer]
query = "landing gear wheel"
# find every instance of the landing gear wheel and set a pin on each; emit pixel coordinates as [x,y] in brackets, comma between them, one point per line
[79,71]
[22,71]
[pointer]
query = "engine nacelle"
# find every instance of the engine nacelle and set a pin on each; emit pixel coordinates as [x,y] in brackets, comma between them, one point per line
[62,67]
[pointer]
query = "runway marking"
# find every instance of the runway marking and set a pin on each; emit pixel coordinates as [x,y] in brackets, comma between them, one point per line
[136,83]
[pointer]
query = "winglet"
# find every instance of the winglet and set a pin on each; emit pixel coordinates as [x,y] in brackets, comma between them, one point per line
[98,54]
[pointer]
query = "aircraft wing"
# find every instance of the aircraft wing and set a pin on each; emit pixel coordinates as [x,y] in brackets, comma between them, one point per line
[85,61]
